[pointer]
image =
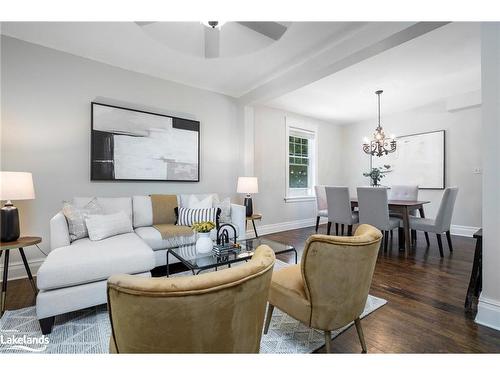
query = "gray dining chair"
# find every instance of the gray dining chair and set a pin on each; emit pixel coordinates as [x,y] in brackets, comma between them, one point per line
[442,222]
[374,210]
[339,209]
[321,205]
[406,193]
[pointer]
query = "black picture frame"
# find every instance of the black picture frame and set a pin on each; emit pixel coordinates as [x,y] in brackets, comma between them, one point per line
[443,186]
[102,145]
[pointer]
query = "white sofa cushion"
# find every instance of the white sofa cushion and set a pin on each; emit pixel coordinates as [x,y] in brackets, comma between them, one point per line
[109,205]
[104,226]
[86,261]
[152,237]
[143,211]
[183,199]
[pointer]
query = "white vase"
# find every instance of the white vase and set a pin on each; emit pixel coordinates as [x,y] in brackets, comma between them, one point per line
[204,243]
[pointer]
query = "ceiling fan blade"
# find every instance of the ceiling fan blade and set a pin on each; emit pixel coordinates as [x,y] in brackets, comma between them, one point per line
[273,30]
[211,42]
[144,23]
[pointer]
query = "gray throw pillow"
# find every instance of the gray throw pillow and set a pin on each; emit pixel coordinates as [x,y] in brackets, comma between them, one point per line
[75,216]
[225,209]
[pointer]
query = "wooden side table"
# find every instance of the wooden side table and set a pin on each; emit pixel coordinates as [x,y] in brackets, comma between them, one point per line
[7,246]
[253,218]
[476,279]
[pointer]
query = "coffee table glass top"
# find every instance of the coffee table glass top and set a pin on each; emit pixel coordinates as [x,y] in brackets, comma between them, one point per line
[196,261]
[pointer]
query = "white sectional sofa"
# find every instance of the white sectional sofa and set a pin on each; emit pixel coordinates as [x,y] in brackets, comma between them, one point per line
[74,274]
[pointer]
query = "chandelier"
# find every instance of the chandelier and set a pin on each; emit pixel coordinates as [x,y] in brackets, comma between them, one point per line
[379,145]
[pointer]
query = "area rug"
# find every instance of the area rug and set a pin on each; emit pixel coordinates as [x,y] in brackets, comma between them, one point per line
[88,331]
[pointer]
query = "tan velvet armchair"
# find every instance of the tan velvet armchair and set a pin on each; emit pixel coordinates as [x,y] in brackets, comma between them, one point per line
[329,288]
[217,312]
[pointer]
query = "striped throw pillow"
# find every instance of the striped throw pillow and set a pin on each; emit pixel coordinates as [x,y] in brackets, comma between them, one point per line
[189,216]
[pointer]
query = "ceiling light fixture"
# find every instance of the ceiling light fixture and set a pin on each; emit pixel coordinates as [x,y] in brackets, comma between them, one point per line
[379,145]
[213,24]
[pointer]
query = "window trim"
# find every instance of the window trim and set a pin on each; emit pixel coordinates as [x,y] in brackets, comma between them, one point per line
[294,125]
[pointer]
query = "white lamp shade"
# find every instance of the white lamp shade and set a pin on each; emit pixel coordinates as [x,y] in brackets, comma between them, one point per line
[247,185]
[16,186]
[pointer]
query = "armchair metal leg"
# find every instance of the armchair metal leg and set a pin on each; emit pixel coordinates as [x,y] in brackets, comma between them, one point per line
[317,223]
[336,229]
[357,323]
[270,309]
[342,230]
[448,237]
[328,228]
[328,342]
[440,245]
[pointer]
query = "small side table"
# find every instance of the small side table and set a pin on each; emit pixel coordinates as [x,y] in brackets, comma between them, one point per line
[7,246]
[253,218]
[476,278]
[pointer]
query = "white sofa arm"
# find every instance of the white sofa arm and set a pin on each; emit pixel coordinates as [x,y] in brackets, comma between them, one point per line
[59,235]
[238,218]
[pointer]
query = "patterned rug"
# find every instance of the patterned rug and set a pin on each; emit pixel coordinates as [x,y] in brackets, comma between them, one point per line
[88,331]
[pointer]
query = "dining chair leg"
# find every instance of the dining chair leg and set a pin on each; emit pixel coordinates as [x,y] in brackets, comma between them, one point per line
[427,238]
[317,223]
[386,240]
[414,236]
[349,230]
[342,230]
[392,232]
[357,322]
[269,315]
[440,245]
[448,237]
[328,341]
[328,227]
[336,229]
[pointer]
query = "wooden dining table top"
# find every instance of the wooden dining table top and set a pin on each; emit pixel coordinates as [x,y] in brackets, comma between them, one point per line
[393,202]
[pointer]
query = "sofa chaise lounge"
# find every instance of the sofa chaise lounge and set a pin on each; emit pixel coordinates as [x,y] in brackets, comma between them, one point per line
[74,274]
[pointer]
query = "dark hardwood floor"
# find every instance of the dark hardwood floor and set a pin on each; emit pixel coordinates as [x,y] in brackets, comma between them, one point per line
[425,295]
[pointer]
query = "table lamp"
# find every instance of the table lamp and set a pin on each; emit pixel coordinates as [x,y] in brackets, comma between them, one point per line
[13,186]
[248,185]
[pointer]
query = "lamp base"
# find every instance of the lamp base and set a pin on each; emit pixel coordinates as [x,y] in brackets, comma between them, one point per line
[10,223]
[249,206]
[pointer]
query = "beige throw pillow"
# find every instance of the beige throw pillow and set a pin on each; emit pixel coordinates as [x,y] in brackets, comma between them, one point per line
[75,217]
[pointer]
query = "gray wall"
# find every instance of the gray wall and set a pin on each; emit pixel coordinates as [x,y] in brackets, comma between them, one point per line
[270,164]
[45,102]
[463,154]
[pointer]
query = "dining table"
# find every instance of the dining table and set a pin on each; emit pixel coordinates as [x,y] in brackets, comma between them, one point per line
[403,208]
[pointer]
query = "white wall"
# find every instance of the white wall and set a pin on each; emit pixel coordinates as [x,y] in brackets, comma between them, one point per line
[270,164]
[45,102]
[488,311]
[463,154]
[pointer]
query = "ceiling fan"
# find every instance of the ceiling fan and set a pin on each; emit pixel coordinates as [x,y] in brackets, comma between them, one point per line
[272,30]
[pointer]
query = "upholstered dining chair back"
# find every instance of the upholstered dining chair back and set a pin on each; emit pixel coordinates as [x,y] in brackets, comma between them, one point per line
[216,312]
[373,207]
[337,273]
[339,204]
[321,202]
[445,211]
[403,192]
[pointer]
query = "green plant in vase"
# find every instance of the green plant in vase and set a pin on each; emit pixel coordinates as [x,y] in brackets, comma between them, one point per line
[377,174]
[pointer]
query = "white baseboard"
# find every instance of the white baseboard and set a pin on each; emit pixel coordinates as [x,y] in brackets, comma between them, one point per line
[488,313]
[464,231]
[17,271]
[457,230]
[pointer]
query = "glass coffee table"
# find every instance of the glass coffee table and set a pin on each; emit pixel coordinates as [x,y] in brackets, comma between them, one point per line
[197,262]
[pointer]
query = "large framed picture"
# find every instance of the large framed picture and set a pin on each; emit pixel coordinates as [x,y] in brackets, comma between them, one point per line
[133,145]
[419,159]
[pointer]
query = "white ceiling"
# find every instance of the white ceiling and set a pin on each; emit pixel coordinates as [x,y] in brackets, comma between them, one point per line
[130,46]
[440,64]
